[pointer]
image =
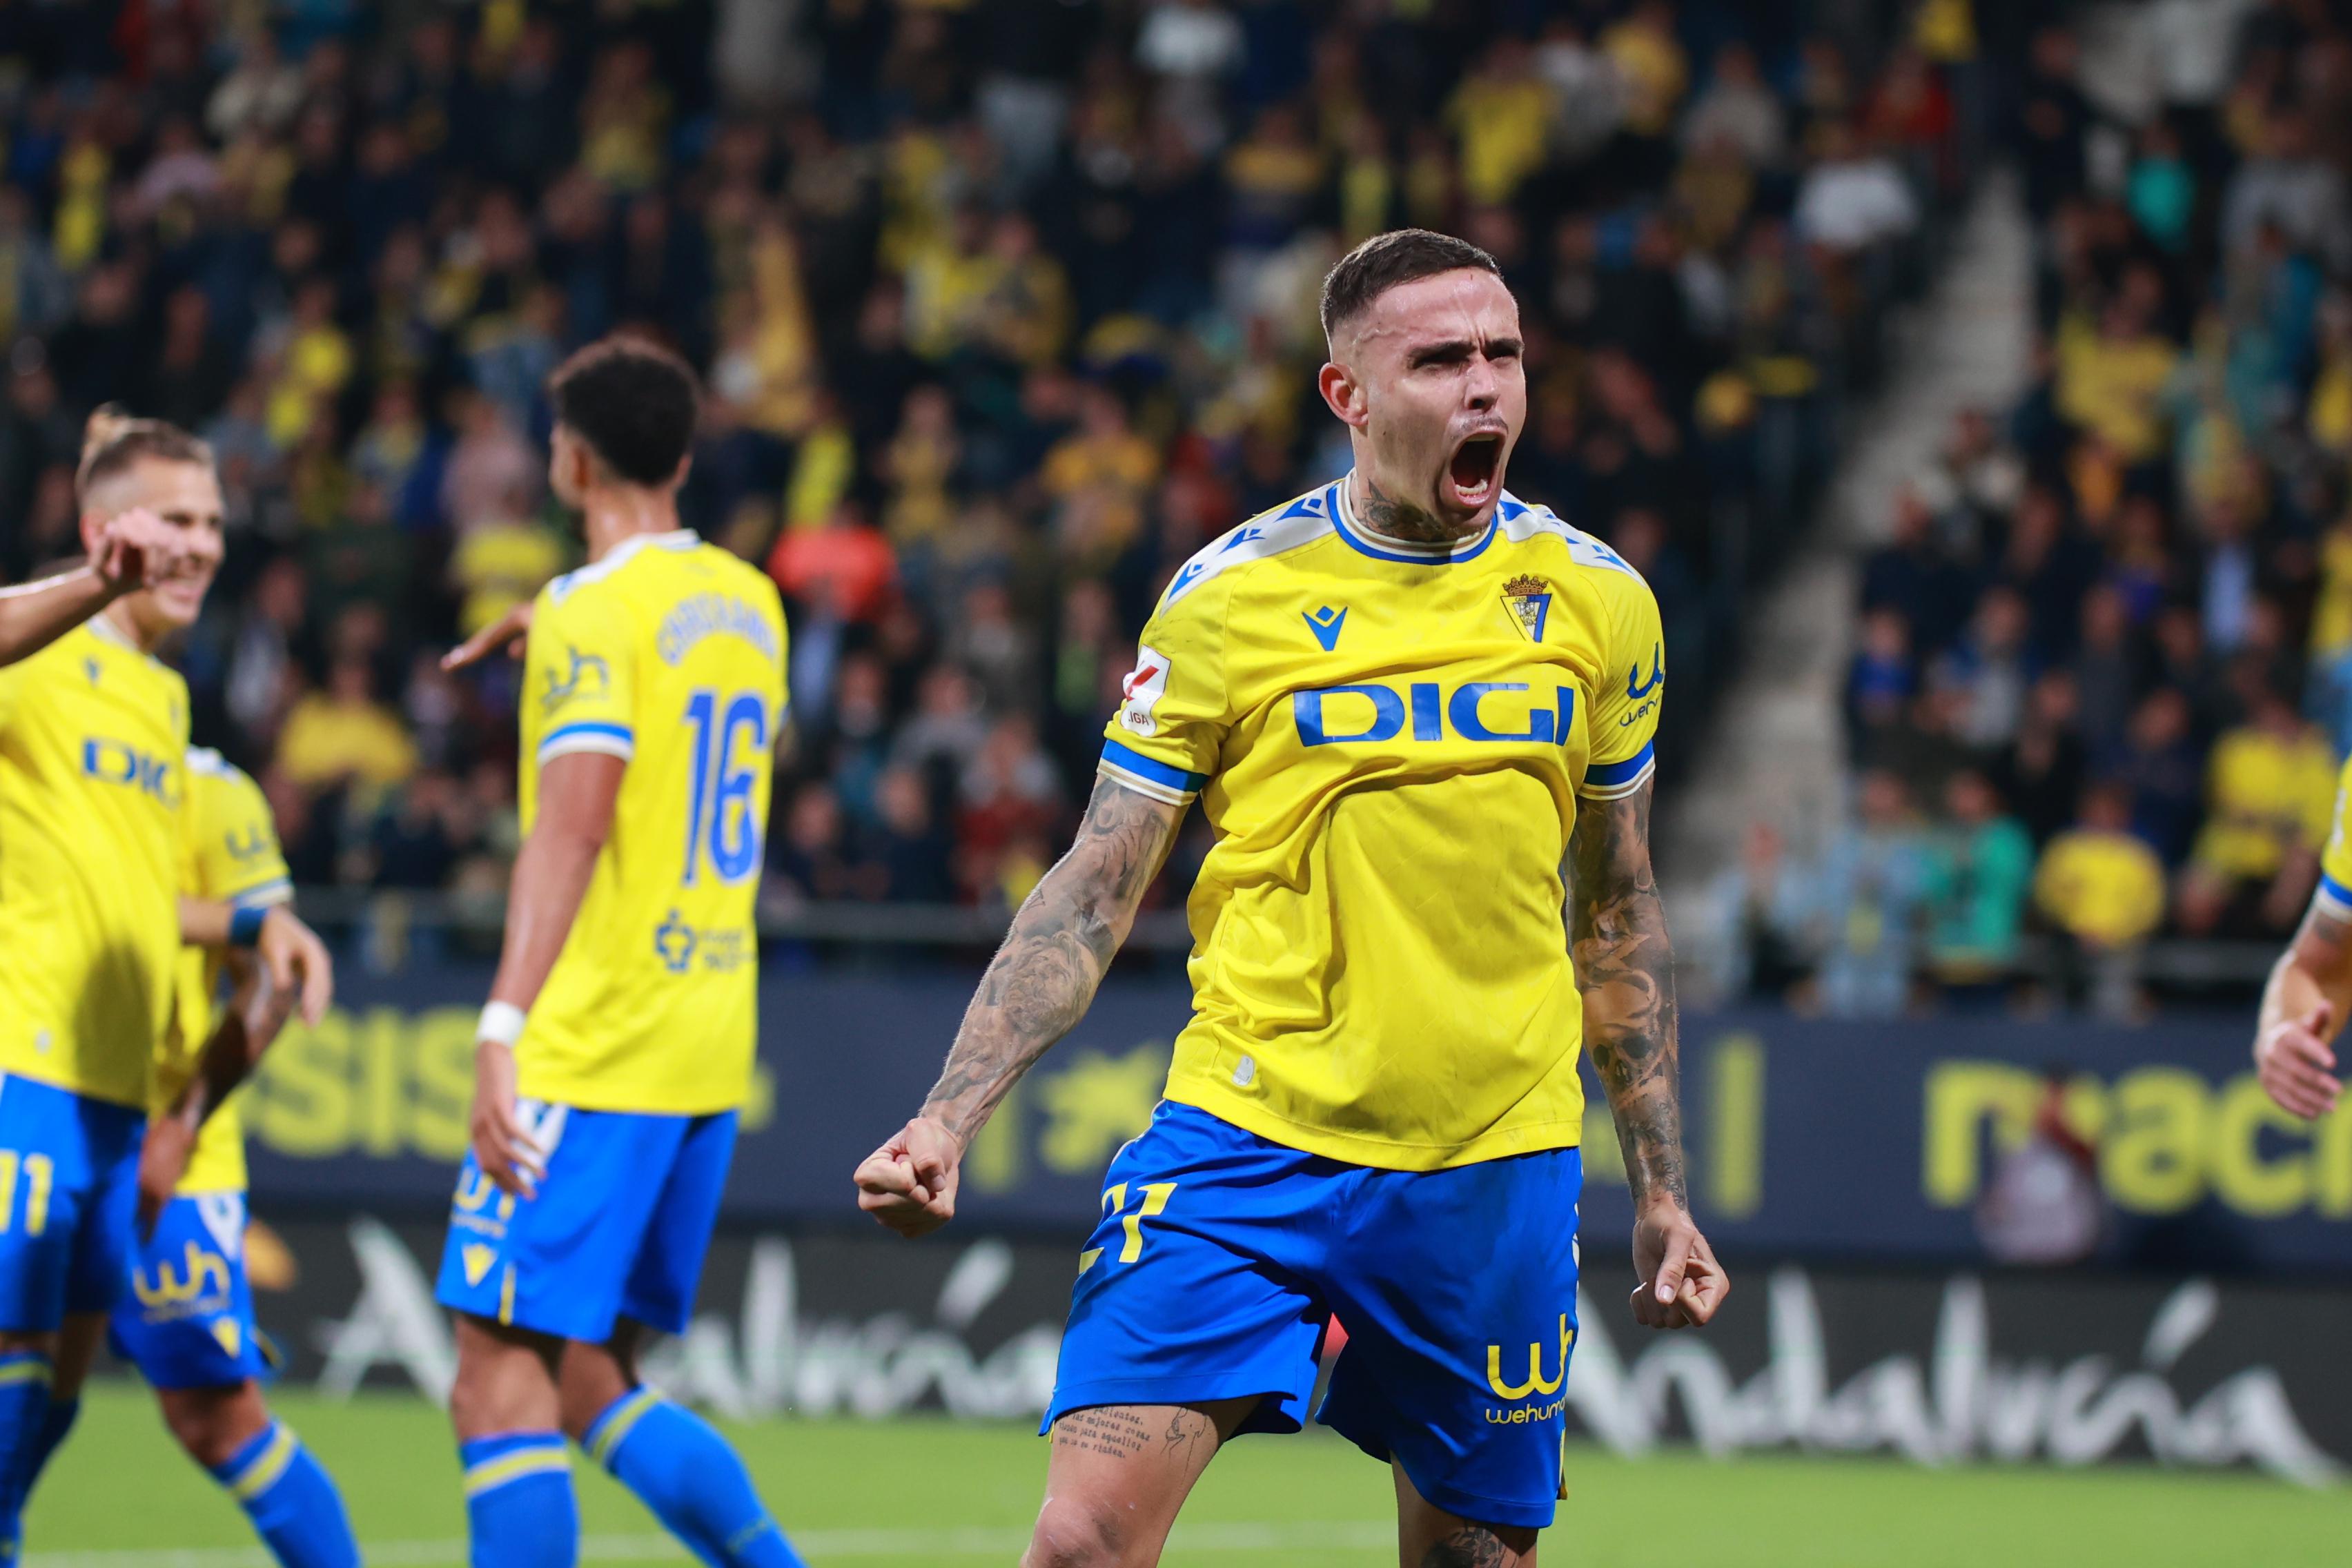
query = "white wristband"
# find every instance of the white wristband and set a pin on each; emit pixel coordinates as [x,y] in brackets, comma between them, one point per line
[502,1022]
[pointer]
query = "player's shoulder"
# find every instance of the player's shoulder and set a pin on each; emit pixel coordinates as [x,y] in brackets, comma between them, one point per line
[611,578]
[1535,529]
[221,786]
[1273,534]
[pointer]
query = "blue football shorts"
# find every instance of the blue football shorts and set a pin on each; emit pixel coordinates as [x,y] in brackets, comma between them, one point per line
[187,1322]
[1221,1257]
[617,1230]
[68,1191]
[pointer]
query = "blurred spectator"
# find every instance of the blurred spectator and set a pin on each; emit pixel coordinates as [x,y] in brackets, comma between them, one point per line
[1980,868]
[914,854]
[2270,798]
[2043,1205]
[342,735]
[2102,890]
[1874,880]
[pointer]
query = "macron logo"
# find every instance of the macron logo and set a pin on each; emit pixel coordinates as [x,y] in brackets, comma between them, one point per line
[1325,623]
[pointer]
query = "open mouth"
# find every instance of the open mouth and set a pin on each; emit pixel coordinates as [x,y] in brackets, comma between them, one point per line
[1472,471]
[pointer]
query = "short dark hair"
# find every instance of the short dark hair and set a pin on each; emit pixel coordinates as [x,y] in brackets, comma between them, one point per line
[113,442]
[633,402]
[1385,261]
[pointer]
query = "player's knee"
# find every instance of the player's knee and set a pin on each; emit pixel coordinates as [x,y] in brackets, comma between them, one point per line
[505,1382]
[212,1424]
[1079,1532]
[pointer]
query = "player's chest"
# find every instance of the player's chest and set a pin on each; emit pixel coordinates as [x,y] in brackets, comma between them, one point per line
[112,728]
[1460,667]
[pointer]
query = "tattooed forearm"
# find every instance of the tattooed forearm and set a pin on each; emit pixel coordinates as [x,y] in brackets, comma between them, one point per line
[1624,967]
[1042,978]
[1384,514]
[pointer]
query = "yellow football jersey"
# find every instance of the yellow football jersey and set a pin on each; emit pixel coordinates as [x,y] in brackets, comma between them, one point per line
[229,851]
[668,653]
[1390,744]
[2334,893]
[93,764]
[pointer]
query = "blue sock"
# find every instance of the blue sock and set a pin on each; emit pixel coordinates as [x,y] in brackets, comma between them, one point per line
[291,1498]
[519,1505]
[24,1417]
[680,1468]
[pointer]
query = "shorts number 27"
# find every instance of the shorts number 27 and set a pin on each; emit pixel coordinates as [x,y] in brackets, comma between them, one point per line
[1155,1198]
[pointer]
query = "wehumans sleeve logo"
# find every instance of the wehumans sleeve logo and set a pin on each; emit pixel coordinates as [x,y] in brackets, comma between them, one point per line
[1635,687]
[589,676]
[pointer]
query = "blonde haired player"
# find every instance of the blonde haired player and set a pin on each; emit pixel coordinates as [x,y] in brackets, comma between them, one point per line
[93,781]
[1405,699]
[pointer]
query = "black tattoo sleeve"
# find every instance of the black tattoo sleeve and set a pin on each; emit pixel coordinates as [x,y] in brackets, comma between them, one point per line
[1624,968]
[1040,982]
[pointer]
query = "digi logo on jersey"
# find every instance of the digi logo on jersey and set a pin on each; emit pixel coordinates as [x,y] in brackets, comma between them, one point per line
[119,762]
[1374,713]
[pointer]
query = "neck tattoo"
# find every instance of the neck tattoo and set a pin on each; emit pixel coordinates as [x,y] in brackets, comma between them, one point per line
[1402,520]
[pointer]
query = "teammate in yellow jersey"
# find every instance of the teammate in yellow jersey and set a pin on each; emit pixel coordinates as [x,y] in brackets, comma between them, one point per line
[93,778]
[2310,990]
[187,1323]
[618,1042]
[1405,699]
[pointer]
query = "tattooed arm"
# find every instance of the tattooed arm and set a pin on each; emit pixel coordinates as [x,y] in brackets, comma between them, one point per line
[1035,990]
[1624,969]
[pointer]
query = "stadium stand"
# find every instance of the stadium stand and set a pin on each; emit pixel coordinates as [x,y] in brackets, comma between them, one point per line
[2099,682]
[1004,307]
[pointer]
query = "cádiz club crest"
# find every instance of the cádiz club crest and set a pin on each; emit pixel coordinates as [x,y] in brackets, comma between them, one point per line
[1529,601]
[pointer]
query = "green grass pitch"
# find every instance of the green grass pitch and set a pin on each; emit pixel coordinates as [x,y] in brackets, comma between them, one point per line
[933,1494]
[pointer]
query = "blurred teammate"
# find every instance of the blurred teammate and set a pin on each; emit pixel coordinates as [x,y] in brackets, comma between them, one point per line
[187,1324]
[93,778]
[618,1041]
[2310,987]
[1406,699]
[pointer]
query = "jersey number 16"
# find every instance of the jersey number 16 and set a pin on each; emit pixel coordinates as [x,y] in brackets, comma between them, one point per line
[721,824]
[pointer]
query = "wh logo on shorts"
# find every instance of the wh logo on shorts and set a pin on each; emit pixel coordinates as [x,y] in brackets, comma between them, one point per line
[1537,1381]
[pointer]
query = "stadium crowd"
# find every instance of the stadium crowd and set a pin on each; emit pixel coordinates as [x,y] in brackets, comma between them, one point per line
[2102,674]
[1004,308]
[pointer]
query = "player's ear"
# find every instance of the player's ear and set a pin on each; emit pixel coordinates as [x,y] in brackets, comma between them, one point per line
[685,467]
[1343,394]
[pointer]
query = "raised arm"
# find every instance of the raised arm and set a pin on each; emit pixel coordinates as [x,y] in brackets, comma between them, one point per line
[2304,1004]
[133,549]
[1036,989]
[1625,970]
